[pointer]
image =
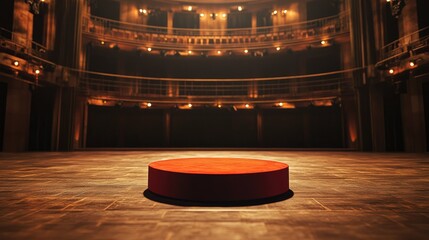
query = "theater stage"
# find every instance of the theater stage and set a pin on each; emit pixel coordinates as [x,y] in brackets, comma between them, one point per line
[100,195]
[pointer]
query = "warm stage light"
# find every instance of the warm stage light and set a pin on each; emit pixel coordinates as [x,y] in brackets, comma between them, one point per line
[15,63]
[274,12]
[391,71]
[149,104]
[189,105]
[102,42]
[412,64]
[190,8]
[224,15]
[202,14]
[323,42]
[219,105]
[240,8]
[280,104]
[189,52]
[246,51]
[219,52]
[284,11]
[149,49]
[247,105]
[37,71]
[278,48]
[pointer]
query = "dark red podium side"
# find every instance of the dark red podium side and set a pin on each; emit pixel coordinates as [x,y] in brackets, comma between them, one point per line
[218,179]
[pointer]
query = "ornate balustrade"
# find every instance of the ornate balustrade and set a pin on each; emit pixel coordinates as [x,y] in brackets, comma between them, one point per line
[212,90]
[209,39]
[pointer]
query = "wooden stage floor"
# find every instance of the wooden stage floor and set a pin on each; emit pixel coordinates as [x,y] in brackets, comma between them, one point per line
[99,195]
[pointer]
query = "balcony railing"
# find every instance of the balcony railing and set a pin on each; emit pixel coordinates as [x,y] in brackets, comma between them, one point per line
[207,39]
[409,43]
[209,90]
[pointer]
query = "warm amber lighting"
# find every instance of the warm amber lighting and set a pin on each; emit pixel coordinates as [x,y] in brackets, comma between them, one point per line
[274,12]
[189,52]
[149,104]
[190,8]
[278,48]
[142,11]
[219,52]
[37,71]
[224,15]
[391,71]
[102,42]
[280,104]
[202,15]
[15,63]
[387,0]
[412,64]
[189,105]
[246,51]
[149,49]
[247,105]
[323,42]
[104,101]
[219,105]
[240,8]
[284,11]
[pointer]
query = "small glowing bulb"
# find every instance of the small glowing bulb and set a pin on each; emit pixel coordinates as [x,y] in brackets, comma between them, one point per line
[102,42]
[104,101]
[149,49]
[247,105]
[189,52]
[202,14]
[219,52]
[189,105]
[274,12]
[190,8]
[387,0]
[16,63]
[391,71]
[284,11]
[280,104]
[149,104]
[412,64]
[240,8]
[278,48]
[223,15]
[37,71]
[219,105]
[246,51]
[323,42]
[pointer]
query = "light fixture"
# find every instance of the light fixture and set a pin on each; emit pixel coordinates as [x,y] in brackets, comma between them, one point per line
[189,105]
[391,71]
[149,49]
[149,104]
[323,42]
[240,8]
[412,64]
[15,63]
[247,105]
[387,0]
[274,12]
[104,101]
[202,15]
[246,51]
[189,52]
[37,71]
[102,42]
[219,52]
[280,104]
[284,11]
[224,15]
[190,8]
[219,105]
[278,48]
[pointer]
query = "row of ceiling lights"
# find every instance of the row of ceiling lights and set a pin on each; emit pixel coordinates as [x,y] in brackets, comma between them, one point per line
[36,71]
[394,70]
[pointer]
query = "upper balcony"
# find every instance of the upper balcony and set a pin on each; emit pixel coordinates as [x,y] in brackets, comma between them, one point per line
[213,41]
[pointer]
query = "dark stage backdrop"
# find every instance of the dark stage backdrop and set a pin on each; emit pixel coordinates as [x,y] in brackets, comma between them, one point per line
[3,99]
[310,127]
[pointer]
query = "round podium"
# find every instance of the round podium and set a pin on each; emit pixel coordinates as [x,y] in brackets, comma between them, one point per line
[218,179]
